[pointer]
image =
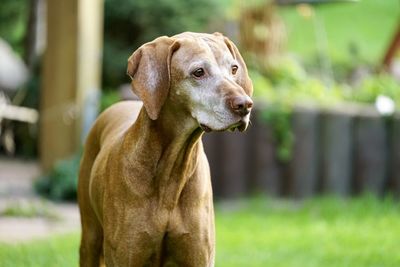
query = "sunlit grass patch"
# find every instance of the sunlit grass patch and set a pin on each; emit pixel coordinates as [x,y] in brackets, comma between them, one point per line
[319,232]
[323,232]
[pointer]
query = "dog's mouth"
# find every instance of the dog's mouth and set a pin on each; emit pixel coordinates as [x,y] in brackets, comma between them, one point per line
[240,126]
[205,128]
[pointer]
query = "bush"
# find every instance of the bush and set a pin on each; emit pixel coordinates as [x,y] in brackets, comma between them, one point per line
[61,183]
[286,85]
[108,97]
[374,86]
[13,20]
[130,23]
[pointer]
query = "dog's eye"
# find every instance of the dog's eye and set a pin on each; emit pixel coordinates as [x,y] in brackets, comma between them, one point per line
[234,69]
[198,73]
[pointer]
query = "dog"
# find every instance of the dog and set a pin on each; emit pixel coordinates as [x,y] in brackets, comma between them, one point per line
[144,187]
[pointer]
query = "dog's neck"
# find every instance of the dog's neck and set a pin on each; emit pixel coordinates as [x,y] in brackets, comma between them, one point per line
[174,145]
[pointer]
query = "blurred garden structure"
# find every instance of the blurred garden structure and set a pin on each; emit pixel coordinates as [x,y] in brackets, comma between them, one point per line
[326,80]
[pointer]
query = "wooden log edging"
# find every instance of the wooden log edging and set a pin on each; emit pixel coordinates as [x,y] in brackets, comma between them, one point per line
[266,170]
[343,151]
[305,158]
[336,152]
[394,166]
[370,155]
[212,147]
[228,158]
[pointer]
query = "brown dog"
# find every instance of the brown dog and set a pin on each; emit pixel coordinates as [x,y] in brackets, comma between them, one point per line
[144,185]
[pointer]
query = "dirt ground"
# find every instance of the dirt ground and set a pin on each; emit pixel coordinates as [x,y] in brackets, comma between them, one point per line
[16,177]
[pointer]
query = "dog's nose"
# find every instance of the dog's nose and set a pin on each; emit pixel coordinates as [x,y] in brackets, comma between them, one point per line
[241,105]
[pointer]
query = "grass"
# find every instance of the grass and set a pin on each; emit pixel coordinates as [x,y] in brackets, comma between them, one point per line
[58,251]
[362,29]
[323,232]
[258,232]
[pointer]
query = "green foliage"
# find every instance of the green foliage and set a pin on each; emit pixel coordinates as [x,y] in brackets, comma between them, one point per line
[108,97]
[13,21]
[130,23]
[280,117]
[285,85]
[61,182]
[329,232]
[285,71]
[372,87]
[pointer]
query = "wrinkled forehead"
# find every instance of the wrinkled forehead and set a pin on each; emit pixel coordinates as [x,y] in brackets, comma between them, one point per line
[206,47]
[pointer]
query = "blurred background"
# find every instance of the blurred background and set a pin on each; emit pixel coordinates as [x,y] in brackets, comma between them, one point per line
[322,152]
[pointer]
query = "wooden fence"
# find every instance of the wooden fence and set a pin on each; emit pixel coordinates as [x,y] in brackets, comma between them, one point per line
[343,151]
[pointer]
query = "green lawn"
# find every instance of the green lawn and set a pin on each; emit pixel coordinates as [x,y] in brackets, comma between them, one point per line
[367,26]
[59,251]
[321,232]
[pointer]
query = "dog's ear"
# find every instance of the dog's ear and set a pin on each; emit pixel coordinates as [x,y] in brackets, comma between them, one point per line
[243,78]
[149,69]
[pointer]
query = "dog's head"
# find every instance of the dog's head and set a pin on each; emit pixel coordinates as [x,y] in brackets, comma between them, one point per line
[204,74]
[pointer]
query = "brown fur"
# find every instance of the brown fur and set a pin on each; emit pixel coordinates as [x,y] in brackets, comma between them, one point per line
[144,185]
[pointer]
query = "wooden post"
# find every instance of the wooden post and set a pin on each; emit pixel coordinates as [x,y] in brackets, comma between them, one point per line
[395,156]
[370,153]
[266,169]
[337,147]
[305,160]
[212,148]
[71,76]
[234,175]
